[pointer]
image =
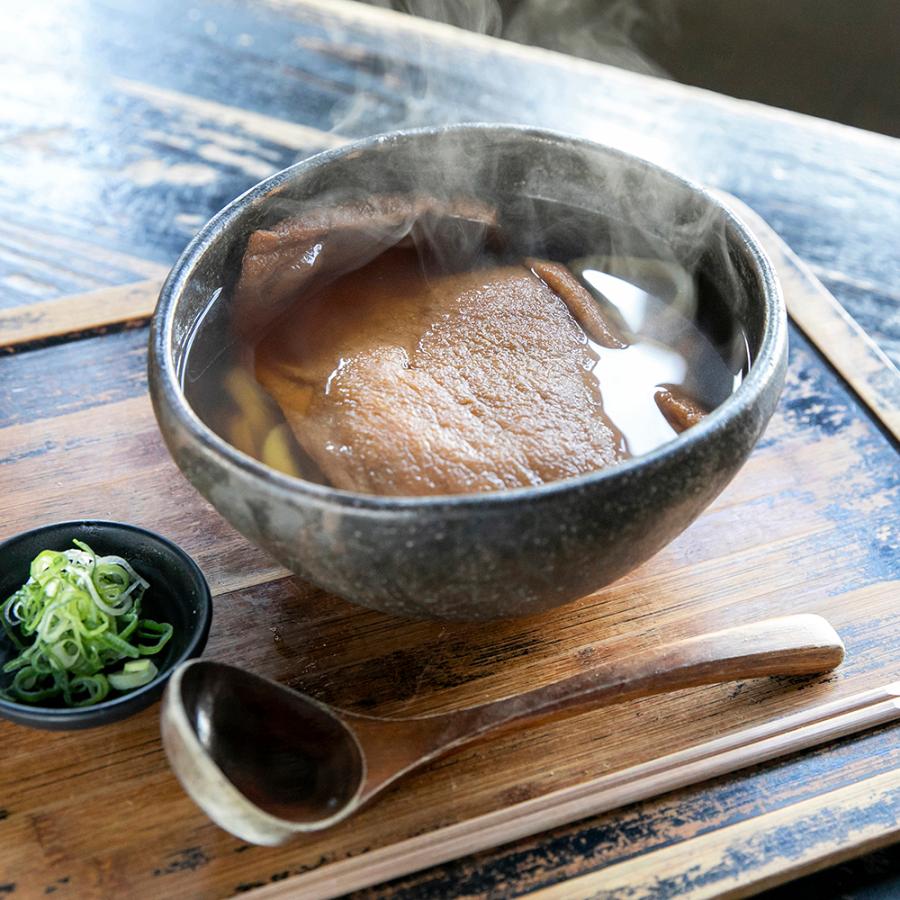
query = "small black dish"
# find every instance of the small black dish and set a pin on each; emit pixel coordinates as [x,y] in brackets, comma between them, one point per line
[178,594]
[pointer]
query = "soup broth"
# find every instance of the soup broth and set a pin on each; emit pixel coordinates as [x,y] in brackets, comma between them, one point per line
[449,358]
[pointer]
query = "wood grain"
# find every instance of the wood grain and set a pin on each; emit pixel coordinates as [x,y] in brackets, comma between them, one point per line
[127,126]
[169,161]
[643,828]
[78,314]
[279,131]
[750,856]
[716,757]
[829,326]
[174,145]
[808,525]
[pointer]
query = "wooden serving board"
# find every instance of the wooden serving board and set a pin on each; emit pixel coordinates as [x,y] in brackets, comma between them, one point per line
[809,524]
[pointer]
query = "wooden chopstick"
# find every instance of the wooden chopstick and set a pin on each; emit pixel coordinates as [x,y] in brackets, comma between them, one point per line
[779,727]
[720,756]
[838,336]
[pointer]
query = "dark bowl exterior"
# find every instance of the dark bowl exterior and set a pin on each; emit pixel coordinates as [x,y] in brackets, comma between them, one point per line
[491,555]
[178,594]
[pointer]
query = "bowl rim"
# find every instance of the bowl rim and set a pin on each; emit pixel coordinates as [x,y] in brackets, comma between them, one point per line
[763,368]
[105,710]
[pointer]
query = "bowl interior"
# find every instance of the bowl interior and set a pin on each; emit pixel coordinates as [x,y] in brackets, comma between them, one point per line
[178,594]
[556,198]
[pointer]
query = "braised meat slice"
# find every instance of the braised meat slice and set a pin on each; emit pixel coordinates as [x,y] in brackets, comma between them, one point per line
[304,252]
[402,384]
[580,302]
[680,411]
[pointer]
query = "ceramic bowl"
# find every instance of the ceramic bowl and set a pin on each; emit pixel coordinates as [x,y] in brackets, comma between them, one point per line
[512,552]
[178,594]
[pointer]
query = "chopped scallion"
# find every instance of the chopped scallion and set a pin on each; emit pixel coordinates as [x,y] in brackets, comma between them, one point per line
[77,615]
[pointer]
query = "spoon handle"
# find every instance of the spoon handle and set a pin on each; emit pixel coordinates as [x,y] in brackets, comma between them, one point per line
[793,645]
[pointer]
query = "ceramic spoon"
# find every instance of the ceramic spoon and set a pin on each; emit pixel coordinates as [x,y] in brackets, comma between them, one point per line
[265,762]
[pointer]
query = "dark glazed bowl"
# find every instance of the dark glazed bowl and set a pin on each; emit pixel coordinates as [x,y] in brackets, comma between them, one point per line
[490,555]
[178,594]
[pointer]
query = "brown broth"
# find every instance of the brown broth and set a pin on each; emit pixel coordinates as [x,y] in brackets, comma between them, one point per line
[652,302]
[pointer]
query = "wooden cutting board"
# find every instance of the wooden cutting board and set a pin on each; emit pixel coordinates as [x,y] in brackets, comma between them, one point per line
[810,524]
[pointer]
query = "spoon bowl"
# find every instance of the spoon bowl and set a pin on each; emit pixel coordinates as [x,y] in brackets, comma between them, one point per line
[266,762]
[287,754]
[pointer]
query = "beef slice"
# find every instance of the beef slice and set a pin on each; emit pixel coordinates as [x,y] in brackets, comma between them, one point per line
[401,384]
[304,252]
[680,410]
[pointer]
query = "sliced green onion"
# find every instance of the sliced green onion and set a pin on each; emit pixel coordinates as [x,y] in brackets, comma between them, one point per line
[75,616]
[148,630]
[134,674]
[86,690]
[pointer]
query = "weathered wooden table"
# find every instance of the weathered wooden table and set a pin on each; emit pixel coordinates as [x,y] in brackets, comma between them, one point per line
[124,127]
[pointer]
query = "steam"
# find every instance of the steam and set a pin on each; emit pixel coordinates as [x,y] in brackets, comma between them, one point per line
[482,16]
[636,241]
[606,31]
[612,32]
[467,197]
[421,84]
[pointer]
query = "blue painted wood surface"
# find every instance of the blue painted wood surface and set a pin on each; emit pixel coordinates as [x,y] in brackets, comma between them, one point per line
[90,159]
[127,125]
